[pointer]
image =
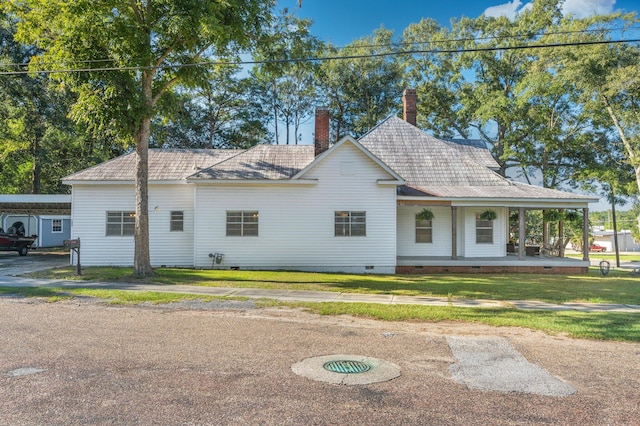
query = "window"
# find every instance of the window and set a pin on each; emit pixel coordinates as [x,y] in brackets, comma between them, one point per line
[56,226]
[484,231]
[120,223]
[242,224]
[176,222]
[424,231]
[350,224]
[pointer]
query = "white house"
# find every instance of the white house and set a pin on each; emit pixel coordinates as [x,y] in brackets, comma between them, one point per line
[350,207]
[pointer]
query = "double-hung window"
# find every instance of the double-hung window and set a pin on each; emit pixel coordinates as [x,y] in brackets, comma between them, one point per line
[176,223]
[424,231]
[350,224]
[120,223]
[484,231]
[242,223]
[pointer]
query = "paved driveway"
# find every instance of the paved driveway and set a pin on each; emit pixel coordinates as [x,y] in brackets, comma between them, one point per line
[36,260]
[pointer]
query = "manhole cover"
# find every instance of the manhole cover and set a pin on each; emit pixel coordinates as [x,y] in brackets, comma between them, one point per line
[347,367]
[344,369]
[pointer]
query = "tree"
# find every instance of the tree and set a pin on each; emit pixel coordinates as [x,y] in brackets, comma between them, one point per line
[284,78]
[607,75]
[221,112]
[137,51]
[364,86]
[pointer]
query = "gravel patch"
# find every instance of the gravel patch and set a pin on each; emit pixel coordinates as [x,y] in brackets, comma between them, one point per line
[213,305]
[492,364]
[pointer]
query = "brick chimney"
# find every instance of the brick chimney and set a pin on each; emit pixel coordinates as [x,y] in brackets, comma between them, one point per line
[321,135]
[409,104]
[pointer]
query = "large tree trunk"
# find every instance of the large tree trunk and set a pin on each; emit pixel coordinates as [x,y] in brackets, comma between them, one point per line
[632,154]
[141,259]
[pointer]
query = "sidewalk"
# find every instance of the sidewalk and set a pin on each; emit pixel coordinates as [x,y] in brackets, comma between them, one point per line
[323,296]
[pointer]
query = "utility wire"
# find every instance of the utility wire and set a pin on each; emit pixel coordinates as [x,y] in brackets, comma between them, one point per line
[408,43]
[327,58]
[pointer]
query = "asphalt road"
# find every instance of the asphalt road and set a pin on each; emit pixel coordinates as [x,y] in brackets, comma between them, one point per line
[80,362]
[83,362]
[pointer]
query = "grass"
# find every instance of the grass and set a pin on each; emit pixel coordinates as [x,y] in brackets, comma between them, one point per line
[113,297]
[618,287]
[626,257]
[600,325]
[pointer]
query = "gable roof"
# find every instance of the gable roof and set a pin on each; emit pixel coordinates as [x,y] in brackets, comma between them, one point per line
[262,162]
[356,144]
[436,168]
[164,164]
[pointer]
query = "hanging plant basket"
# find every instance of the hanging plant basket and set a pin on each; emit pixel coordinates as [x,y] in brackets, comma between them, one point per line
[488,215]
[572,216]
[425,214]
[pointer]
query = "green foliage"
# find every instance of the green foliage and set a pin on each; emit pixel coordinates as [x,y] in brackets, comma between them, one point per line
[488,215]
[425,214]
[360,92]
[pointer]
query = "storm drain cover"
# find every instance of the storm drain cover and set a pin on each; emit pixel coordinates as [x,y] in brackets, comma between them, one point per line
[346,367]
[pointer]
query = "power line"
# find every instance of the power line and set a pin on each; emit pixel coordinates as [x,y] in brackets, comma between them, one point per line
[327,58]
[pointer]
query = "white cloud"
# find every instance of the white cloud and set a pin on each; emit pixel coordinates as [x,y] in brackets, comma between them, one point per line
[584,8]
[577,8]
[510,9]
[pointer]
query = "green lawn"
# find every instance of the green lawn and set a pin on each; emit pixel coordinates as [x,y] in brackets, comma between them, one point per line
[598,325]
[617,287]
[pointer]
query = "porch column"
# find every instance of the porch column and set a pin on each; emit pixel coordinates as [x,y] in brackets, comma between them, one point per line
[561,234]
[454,233]
[585,234]
[521,232]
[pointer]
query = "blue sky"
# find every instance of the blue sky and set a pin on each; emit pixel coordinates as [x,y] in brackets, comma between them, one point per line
[342,21]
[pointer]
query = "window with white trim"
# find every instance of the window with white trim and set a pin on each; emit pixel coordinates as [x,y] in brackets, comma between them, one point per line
[120,223]
[176,222]
[242,223]
[484,231]
[56,226]
[424,231]
[350,224]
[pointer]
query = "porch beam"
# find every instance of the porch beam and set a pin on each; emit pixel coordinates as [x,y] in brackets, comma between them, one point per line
[585,234]
[454,233]
[521,232]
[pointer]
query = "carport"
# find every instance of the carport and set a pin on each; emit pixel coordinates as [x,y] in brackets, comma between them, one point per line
[47,215]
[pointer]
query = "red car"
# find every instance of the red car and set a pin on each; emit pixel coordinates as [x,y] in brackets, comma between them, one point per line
[597,248]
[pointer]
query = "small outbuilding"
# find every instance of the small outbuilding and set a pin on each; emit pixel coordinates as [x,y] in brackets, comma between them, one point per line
[46,215]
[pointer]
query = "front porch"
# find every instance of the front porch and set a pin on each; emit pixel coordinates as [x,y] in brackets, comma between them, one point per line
[540,264]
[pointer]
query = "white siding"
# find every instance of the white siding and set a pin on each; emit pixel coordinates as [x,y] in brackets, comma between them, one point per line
[499,246]
[296,224]
[441,245]
[90,204]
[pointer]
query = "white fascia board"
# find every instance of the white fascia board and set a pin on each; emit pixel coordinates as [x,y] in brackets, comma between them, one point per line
[506,202]
[254,182]
[355,143]
[123,182]
[393,182]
